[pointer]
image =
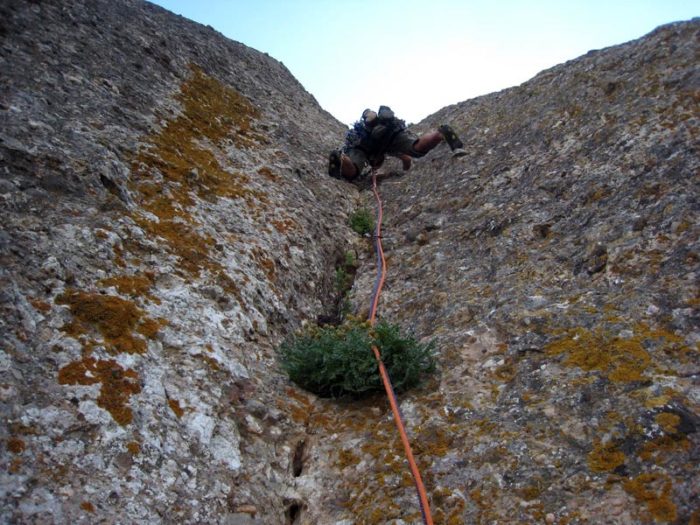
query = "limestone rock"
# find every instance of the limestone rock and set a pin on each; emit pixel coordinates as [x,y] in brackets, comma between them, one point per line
[167,221]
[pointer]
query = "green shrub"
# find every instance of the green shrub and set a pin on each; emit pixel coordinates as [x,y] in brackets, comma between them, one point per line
[362,221]
[345,273]
[333,361]
[343,280]
[350,260]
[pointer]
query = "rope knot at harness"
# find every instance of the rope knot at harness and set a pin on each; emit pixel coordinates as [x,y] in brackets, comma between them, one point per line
[398,419]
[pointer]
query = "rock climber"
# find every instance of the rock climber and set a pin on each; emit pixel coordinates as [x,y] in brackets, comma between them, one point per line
[380,133]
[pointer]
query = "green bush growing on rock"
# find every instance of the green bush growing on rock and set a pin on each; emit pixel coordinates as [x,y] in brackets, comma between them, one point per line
[362,221]
[333,361]
[344,278]
[345,273]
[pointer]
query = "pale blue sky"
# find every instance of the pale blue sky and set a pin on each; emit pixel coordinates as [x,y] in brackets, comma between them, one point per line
[419,56]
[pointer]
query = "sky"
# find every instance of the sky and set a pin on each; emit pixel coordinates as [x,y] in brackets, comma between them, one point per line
[418,56]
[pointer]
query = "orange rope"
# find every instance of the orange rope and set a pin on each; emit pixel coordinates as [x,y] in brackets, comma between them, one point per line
[420,488]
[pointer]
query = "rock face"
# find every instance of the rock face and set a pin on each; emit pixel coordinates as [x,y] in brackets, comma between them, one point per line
[167,221]
[556,266]
[165,224]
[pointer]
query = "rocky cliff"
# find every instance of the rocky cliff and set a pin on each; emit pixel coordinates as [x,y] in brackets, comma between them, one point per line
[167,221]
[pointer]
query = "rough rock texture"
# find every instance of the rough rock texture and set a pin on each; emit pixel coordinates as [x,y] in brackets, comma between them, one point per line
[556,266]
[165,224]
[167,221]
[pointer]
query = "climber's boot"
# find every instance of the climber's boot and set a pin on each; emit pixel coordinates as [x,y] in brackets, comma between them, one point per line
[452,140]
[334,164]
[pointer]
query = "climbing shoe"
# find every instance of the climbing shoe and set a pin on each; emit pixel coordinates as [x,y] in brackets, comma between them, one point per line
[450,137]
[334,164]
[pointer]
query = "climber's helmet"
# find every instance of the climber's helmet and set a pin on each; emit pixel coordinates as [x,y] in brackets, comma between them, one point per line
[369,116]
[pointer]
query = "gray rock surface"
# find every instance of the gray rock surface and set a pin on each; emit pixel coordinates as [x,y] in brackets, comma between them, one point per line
[165,224]
[167,221]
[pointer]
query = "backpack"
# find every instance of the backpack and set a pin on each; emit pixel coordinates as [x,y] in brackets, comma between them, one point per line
[377,136]
[385,114]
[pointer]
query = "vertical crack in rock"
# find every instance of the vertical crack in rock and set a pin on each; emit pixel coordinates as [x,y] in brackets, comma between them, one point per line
[293,512]
[298,458]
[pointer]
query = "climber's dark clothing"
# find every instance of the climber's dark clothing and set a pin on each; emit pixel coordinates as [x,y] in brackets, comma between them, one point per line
[379,134]
[401,143]
[369,142]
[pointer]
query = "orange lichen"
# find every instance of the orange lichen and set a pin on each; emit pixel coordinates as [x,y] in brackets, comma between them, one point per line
[297,405]
[119,257]
[284,225]
[530,492]
[390,478]
[134,447]
[483,499]
[668,422]
[654,491]
[695,517]
[433,442]
[486,427]
[605,457]
[15,466]
[117,384]
[174,405]
[673,344]
[87,506]
[267,173]
[213,363]
[133,285]
[456,513]
[299,397]
[346,458]
[659,449]
[507,371]
[192,248]
[113,317]
[267,264]
[149,328]
[180,162]
[40,306]
[15,445]
[443,501]
[657,401]
[622,360]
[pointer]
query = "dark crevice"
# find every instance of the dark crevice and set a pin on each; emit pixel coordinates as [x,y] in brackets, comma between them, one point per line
[298,458]
[109,184]
[293,513]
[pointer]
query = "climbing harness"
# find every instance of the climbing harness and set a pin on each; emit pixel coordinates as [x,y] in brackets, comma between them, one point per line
[398,419]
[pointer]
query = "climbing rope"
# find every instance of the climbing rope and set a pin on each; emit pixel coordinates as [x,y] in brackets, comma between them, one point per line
[398,419]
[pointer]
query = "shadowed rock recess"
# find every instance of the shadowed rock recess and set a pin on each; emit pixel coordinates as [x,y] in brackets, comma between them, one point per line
[167,222]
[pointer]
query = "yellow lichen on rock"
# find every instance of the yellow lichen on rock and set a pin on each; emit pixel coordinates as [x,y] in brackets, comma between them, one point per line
[116,319]
[181,162]
[136,286]
[654,491]
[620,359]
[174,405]
[668,422]
[605,457]
[117,384]
[124,329]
